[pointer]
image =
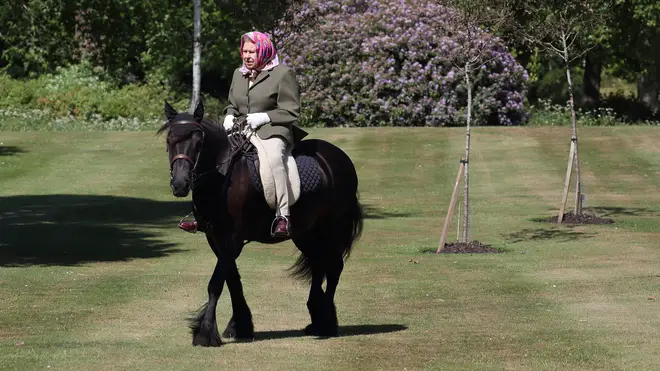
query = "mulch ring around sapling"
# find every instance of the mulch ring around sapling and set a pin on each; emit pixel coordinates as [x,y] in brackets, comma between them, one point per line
[571,218]
[472,247]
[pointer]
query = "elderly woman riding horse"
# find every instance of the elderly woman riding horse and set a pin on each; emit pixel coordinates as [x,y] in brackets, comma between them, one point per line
[229,202]
[268,94]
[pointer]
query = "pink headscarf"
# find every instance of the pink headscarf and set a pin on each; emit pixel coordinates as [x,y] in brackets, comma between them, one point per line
[266,54]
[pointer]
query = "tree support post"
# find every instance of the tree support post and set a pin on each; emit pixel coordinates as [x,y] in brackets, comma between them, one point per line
[567,182]
[450,211]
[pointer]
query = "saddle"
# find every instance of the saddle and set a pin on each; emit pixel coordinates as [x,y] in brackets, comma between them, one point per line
[303,172]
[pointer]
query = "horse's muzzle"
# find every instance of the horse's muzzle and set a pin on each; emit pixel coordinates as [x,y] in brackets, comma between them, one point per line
[180,187]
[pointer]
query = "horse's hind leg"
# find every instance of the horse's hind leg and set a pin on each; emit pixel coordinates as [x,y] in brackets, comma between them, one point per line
[334,267]
[320,262]
[309,267]
[316,300]
[337,244]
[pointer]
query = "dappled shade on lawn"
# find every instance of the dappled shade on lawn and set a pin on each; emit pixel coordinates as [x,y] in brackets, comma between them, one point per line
[584,218]
[375,212]
[74,229]
[543,234]
[616,211]
[10,150]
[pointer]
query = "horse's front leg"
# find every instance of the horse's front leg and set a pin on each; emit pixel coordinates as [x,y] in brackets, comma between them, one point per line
[205,327]
[240,325]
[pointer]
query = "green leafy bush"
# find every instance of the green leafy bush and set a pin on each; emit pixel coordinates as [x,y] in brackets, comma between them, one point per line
[79,98]
[629,108]
[391,62]
[15,93]
[545,113]
[552,85]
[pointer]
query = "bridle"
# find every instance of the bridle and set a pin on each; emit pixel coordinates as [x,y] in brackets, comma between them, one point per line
[183,156]
[239,144]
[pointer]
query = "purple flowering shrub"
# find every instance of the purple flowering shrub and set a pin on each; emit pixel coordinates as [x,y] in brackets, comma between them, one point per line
[391,62]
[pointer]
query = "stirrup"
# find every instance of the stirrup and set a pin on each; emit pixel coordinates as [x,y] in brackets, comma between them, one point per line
[182,222]
[276,221]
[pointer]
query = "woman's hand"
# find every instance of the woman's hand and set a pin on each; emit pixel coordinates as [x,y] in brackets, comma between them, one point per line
[255,120]
[228,124]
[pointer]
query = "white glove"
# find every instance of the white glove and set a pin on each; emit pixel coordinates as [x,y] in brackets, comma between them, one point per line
[228,123]
[257,119]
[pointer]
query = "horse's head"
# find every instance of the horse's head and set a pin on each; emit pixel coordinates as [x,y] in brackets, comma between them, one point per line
[185,138]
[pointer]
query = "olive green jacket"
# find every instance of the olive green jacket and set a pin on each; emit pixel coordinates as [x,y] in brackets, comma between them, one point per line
[275,92]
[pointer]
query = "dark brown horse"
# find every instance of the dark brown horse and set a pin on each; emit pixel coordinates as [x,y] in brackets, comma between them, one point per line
[232,212]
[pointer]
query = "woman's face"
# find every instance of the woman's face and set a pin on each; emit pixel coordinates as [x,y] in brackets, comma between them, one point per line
[249,54]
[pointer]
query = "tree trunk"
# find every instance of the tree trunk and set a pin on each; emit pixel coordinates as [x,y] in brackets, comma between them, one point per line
[656,63]
[466,214]
[593,67]
[647,91]
[2,50]
[648,87]
[574,136]
[197,55]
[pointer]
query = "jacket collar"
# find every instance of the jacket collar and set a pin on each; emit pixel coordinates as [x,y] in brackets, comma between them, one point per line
[260,77]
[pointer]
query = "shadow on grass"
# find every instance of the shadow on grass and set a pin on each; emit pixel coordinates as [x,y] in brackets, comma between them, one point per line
[74,229]
[613,211]
[343,331]
[374,212]
[10,150]
[542,234]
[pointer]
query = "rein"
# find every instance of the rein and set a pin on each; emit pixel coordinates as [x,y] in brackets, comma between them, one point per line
[238,144]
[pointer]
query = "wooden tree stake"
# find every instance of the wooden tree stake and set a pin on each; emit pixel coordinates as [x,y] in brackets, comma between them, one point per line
[452,204]
[458,222]
[567,182]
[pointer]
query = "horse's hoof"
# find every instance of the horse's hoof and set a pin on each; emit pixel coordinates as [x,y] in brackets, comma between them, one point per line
[206,343]
[203,341]
[237,337]
[231,332]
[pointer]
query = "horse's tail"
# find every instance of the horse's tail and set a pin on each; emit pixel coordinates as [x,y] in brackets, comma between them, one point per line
[302,268]
[356,219]
[352,222]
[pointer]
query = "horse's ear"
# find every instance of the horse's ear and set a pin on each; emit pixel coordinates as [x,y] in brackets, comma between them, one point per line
[199,110]
[170,112]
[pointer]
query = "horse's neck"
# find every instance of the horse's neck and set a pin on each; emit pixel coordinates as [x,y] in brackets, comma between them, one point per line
[216,147]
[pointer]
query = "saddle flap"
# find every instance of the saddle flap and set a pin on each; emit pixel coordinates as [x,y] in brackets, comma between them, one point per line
[310,176]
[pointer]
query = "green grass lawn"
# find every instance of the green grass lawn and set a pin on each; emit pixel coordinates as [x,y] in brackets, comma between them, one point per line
[94,274]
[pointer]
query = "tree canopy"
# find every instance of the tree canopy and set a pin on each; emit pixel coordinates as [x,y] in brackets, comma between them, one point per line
[151,40]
